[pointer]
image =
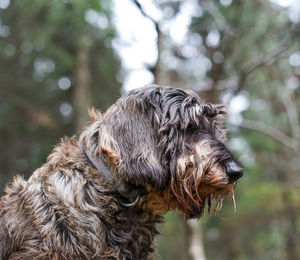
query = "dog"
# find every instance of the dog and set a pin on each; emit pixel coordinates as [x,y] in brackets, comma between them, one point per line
[99,196]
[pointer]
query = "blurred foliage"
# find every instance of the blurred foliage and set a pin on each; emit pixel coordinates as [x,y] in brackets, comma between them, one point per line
[239,52]
[38,69]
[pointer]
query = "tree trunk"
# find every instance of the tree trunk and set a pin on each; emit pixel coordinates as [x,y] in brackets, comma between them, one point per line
[196,249]
[82,92]
[157,70]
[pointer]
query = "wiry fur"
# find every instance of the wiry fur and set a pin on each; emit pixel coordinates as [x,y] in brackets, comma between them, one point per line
[164,150]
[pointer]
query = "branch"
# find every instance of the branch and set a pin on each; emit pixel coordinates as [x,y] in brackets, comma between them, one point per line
[139,6]
[215,13]
[236,82]
[156,69]
[220,20]
[271,132]
[261,60]
[292,113]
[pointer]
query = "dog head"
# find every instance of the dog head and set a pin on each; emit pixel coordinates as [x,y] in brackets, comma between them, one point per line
[169,142]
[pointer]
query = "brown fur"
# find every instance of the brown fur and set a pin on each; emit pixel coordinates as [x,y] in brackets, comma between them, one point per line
[99,196]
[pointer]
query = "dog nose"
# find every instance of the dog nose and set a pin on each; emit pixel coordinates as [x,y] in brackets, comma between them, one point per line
[234,171]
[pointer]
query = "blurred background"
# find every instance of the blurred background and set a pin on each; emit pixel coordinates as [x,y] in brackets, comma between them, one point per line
[58,57]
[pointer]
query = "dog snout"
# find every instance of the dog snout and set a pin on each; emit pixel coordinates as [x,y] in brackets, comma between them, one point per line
[233,170]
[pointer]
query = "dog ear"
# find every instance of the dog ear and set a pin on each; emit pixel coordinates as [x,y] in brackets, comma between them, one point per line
[140,160]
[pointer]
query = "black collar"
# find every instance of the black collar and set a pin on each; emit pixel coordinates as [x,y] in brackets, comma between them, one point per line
[99,165]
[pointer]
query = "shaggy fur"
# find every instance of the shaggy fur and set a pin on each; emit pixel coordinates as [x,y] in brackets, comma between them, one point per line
[99,196]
